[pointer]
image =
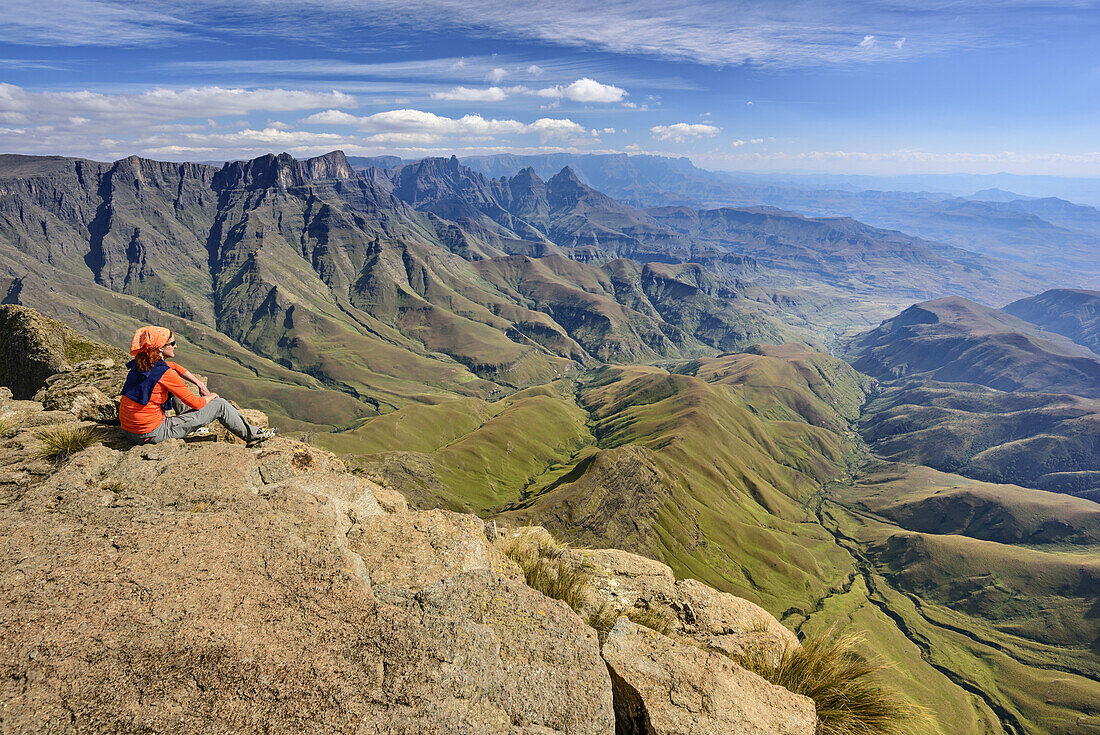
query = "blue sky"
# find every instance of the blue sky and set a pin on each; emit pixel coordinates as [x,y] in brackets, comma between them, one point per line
[854,87]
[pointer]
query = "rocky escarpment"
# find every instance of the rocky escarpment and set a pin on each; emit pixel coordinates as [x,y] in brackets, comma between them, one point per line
[35,347]
[199,585]
[183,585]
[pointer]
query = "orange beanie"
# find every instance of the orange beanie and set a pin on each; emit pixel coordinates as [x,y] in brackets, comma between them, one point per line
[150,338]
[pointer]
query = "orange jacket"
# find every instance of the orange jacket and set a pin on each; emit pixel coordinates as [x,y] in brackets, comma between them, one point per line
[138,419]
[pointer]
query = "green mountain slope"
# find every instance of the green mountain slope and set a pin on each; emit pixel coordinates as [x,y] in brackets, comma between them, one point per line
[743,471]
[1072,313]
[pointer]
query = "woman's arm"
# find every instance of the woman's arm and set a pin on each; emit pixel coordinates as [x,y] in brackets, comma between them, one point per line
[190,378]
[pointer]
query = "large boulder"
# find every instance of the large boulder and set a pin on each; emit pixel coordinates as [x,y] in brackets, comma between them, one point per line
[85,402]
[415,550]
[729,623]
[478,653]
[628,583]
[666,688]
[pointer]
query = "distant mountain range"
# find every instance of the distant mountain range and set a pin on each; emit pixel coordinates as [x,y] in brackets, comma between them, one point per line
[987,394]
[1046,231]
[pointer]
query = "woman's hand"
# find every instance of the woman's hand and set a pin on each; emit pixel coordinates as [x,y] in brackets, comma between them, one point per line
[204,391]
[211,396]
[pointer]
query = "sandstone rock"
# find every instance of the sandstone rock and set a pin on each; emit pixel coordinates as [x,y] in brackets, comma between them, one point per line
[5,395]
[476,653]
[85,402]
[390,500]
[729,623]
[169,589]
[415,550]
[627,580]
[104,374]
[665,688]
[719,620]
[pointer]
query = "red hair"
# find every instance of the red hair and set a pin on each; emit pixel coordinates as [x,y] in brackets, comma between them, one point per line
[147,357]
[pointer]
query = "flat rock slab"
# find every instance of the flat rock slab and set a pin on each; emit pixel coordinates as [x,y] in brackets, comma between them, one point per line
[667,688]
[415,550]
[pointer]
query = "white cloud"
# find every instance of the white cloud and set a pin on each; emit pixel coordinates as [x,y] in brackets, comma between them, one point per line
[468,94]
[331,117]
[534,70]
[737,143]
[585,90]
[756,141]
[158,104]
[867,42]
[679,132]
[496,75]
[425,127]
[898,44]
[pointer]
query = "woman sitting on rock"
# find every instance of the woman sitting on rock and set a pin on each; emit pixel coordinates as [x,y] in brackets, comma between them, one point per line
[149,389]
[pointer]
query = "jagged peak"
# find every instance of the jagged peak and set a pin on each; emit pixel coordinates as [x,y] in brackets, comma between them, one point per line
[283,170]
[527,175]
[567,176]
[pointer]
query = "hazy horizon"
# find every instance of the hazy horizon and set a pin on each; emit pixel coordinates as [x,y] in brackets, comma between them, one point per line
[870,88]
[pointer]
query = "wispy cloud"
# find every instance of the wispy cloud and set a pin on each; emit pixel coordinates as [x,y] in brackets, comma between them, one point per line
[159,104]
[680,132]
[709,31]
[467,94]
[582,90]
[91,23]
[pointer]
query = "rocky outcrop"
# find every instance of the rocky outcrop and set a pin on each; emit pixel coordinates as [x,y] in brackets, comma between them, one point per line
[185,587]
[667,688]
[34,347]
[715,620]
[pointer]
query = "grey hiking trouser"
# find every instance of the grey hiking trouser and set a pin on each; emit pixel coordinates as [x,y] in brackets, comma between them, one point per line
[180,425]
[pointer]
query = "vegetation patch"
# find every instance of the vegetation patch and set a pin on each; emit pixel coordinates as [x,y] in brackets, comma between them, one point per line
[842,684]
[8,424]
[61,442]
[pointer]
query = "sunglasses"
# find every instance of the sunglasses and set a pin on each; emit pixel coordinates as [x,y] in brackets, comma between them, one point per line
[171,344]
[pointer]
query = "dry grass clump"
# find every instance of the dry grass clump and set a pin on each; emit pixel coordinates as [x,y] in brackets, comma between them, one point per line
[841,682]
[659,619]
[61,442]
[604,619]
[539,556]
[7,423]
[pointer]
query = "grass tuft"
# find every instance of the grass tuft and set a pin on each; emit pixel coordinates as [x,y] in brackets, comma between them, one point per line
[7,423]
[62,442]
[659,619]
[841,682]
[604,619]
[539,556]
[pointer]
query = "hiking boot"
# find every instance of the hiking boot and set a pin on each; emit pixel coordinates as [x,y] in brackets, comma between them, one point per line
[201,434]
[263,435]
